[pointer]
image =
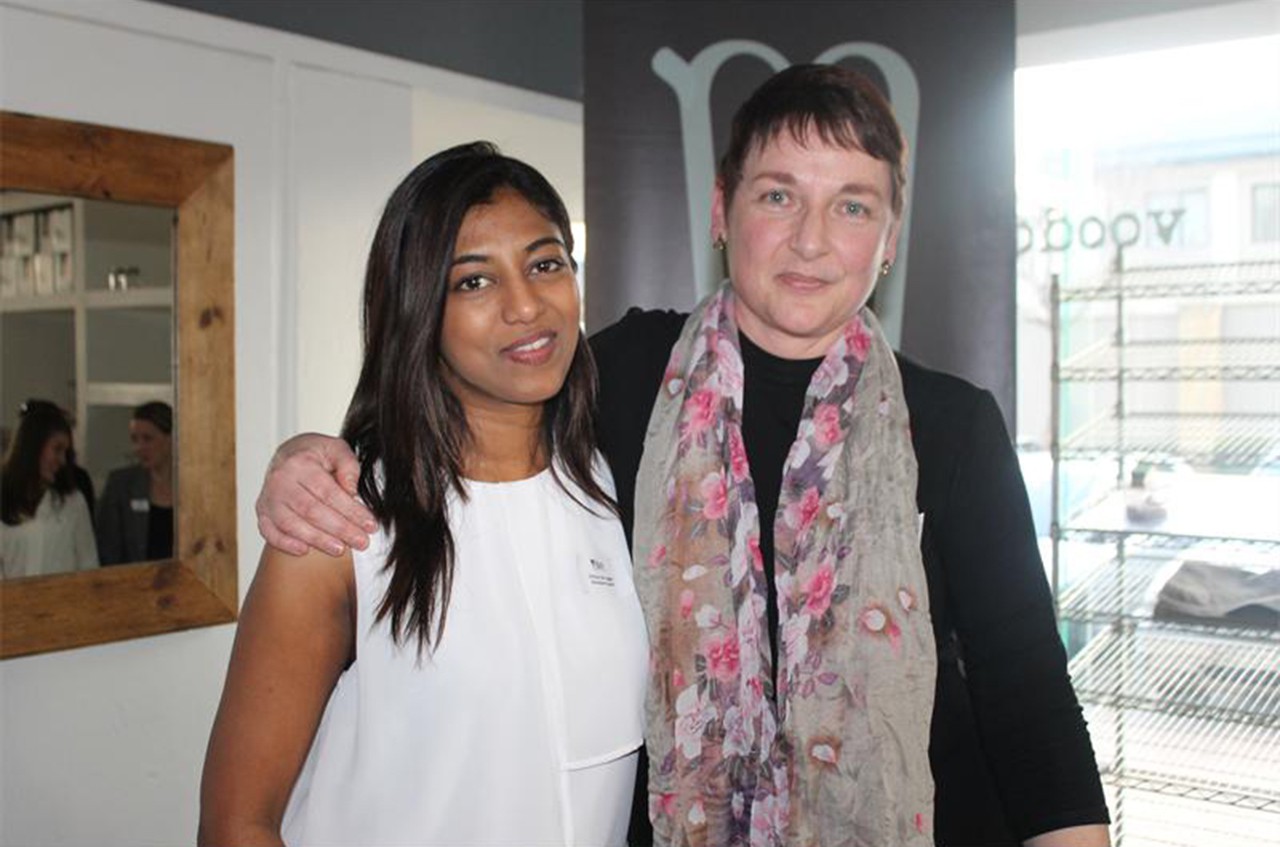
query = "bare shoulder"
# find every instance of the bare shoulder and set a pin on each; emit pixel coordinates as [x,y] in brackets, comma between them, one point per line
[314,572]
[301,600]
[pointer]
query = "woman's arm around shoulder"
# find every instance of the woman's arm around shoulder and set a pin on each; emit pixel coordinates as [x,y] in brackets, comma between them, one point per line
[308,499]
[295,637]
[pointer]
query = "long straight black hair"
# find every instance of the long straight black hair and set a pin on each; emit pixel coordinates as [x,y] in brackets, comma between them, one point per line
[21,487]
[404,424]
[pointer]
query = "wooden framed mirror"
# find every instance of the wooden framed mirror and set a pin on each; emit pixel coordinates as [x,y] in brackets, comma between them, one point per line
[198,586]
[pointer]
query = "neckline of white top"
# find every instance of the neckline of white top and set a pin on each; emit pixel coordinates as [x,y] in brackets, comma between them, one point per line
[528,480]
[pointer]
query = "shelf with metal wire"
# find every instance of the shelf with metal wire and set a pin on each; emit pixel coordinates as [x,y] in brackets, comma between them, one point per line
[1156,540]
[1225,440]
[1148,667]
[1200,282]
[1184,360]
[1180,675]
[1192,757]
[1127,590]
[1191,513]
[1188,817]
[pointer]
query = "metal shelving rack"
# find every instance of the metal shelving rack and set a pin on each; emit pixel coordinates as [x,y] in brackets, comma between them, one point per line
[1184,712]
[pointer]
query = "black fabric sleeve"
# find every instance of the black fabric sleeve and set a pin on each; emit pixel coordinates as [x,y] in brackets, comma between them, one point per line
[631,357]
[1031,727]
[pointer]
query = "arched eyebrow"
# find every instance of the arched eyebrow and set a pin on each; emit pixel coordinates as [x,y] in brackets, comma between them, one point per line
[531,247]
[543,242]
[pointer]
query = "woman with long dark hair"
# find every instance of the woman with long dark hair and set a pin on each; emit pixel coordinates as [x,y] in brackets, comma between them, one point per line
[476,674]
[45,525]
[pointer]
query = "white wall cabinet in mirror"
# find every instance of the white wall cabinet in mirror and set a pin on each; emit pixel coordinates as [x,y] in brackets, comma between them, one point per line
[86,318]
[116,289]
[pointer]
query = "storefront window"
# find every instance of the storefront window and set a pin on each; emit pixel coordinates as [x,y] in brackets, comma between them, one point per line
[1148,190]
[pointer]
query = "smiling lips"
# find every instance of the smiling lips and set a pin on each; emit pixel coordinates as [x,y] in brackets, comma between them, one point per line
[535,349]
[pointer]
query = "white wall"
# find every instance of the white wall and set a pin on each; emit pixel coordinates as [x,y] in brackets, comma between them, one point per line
[551,143]
[103,746]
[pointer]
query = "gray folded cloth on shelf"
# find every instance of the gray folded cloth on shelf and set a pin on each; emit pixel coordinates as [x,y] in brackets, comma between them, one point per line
[1205,591]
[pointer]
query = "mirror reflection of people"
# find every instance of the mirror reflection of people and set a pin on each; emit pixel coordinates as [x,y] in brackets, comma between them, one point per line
[483,662]
[45,526]
[764,444]
[135,513]
[79,475]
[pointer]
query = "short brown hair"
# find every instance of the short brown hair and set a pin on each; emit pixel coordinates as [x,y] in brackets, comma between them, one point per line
[842,105]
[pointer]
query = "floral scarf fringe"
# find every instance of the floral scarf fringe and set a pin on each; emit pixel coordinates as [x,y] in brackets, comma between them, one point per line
[842,758]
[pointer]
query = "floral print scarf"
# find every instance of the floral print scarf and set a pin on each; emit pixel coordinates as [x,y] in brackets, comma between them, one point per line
[840,755]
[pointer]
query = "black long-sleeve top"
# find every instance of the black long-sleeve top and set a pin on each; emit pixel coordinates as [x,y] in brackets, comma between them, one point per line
[1009,749]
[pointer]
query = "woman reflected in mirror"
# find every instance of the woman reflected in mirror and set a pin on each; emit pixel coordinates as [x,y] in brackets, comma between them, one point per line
[45,526]
[135,514]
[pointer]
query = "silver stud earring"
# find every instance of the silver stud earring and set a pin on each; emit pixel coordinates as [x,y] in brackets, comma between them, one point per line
[885,267]
[719,243]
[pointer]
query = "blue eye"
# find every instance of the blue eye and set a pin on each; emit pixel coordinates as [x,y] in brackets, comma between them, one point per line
[775,196]
[853,208]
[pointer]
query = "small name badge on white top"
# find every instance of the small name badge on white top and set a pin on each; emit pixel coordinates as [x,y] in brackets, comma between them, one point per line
[140,504]
[599,572]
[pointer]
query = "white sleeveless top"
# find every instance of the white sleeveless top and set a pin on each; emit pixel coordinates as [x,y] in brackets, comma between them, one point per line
[58,538]
[522,727]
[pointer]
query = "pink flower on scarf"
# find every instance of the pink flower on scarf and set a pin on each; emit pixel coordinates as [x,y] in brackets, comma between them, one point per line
[769,815]
[800,515]
[826,425]
[860,343]
[686,602]
[825,751]
[715,496]
[677,678]
[737,733]
[672,379]
[662,805]
[700,411]
[737,456]
[757,558]
[819,590]
[919,823]
[830,374]
[723,657]
[795,637]
[693,713]
[753,697]
[876,620]
[657,555]
[708,617]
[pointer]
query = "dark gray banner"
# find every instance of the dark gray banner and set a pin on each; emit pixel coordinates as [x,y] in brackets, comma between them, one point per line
[662,82]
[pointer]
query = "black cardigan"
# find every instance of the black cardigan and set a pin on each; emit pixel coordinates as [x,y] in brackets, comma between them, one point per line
[1009,749]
